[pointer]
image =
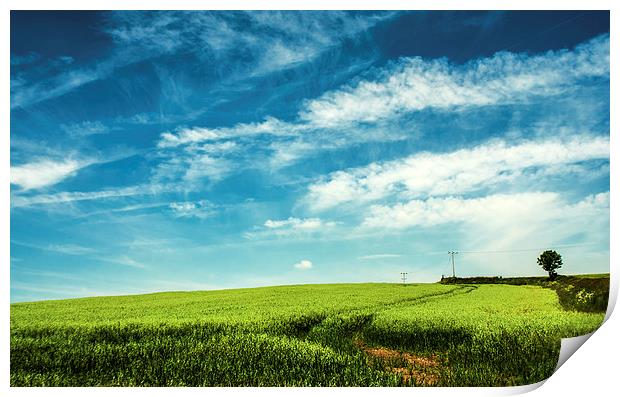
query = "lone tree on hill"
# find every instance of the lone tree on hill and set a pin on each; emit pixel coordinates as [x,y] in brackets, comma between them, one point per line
[549,261]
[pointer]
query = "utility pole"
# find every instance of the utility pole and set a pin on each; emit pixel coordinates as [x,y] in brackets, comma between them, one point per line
[451,253]
[403,276]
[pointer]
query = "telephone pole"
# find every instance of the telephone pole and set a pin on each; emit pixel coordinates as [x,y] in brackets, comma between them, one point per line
[451,253]
[403,276]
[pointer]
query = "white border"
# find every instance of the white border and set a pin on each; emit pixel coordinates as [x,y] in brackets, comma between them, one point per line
[592,369]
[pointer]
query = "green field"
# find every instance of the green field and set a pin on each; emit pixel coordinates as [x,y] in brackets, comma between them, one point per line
[306,335]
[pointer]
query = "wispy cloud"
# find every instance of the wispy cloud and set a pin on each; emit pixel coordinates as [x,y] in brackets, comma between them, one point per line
[203,166]
[414,84]
[271,126]
[298,224]
[211,161]
[269,40]
[302,36]
[124,260]
[85,128]
[45,172]
[457,172]
[292,227]
[371,110]
[67,197]
[494,212]
[67,249]
[70,249]
[44,166]
[189,209]
[126,208]
[26,59]
[28,94]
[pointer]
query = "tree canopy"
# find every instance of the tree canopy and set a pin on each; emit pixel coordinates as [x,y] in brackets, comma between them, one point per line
[550,261]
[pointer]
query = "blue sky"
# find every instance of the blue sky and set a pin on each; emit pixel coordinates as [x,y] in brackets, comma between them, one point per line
[156,151]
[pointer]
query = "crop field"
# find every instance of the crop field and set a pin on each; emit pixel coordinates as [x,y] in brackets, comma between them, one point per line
[305,335]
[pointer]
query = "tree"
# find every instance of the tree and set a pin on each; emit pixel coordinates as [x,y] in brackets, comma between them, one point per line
[549,261]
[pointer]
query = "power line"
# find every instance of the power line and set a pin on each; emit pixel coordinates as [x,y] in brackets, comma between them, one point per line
[429,253]
[403,276]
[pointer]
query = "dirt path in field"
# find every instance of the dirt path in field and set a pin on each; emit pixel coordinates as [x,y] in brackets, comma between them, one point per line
[423,370]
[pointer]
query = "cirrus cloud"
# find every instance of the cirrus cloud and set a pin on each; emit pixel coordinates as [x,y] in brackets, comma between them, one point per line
[188,209]
[457,172]
[494,212]
[413,84]
[298,224]
[44,172]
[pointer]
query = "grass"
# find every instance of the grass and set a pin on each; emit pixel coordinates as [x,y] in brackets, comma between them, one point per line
[583,292]
[306,335]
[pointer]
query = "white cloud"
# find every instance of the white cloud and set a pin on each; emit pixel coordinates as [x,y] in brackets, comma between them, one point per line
[28,94]
[348,115]
[269,40]
[298,224]
[197,162]
[70,249]
[217,148]
[44,172]
[85,128]
[206,166]
[53,167]
[281,55]
[125,261]
[457,172]
[292,227]
[126,208]
[68,197]
[303,265]
[184,136]
[415,84]
[287,152]
[505,213]
[200,209]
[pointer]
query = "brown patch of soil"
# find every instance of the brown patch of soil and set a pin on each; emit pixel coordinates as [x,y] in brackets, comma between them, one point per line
[382,353]
[432,361]
[423,370]
[420,377]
